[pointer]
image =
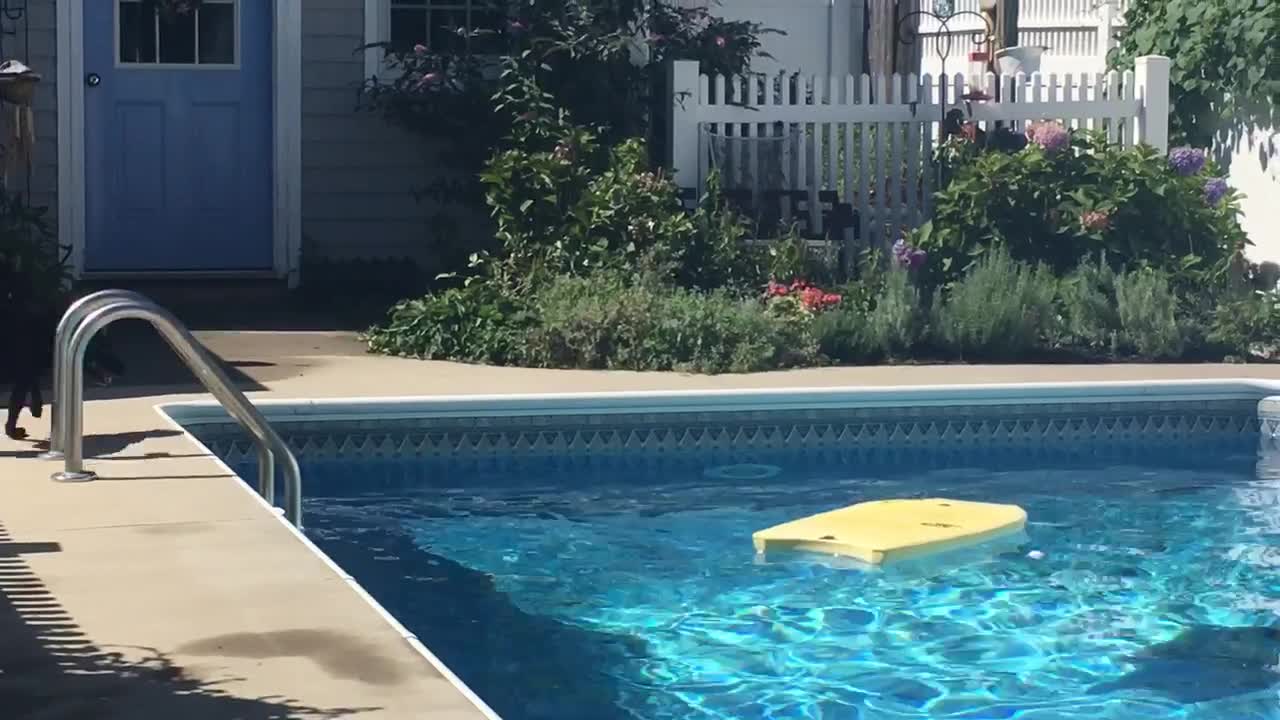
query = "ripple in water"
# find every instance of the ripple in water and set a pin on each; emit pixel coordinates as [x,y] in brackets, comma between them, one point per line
[620,595]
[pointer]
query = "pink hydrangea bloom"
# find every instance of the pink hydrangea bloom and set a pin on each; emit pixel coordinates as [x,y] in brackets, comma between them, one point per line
[1095,220]
[1050,135]
[430,78]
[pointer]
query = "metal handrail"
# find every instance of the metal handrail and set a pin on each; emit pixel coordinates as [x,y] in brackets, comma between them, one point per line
[71,320]
[71,376]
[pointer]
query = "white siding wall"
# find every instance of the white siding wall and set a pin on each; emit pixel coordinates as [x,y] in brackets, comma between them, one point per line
[41,57]
[1255,174]
[357,172]
[818,32]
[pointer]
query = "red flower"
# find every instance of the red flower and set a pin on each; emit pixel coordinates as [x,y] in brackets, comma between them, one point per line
[813,298]
[720,41]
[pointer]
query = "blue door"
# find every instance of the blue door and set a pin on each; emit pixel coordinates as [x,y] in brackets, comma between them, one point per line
[178,137]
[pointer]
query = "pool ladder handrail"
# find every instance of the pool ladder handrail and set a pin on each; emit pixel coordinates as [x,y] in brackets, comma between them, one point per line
[88,316]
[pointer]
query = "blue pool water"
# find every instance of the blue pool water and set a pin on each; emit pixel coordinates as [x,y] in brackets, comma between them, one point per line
[633,591]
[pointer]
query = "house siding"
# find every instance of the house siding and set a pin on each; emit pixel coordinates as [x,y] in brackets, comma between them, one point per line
[358,172]
[36,45]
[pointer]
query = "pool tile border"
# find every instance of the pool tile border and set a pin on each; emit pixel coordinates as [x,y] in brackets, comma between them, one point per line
[848,428]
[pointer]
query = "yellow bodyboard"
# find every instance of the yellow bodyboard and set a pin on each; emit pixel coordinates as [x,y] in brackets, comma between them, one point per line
[888,530]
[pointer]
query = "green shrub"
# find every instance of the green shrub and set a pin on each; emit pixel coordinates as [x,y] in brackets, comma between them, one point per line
[1225,60]
[844,336]
[1056,206]
[610,322]
[1247,325]
[1001,310]
[889,329]
[33,271]
[717,254]
[565,206]
[1148,312]
[1089,315]
[476,323]
[897,320]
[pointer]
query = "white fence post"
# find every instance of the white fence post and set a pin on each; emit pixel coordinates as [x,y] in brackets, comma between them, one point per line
[1151,75]
[1106,30]
[682,122]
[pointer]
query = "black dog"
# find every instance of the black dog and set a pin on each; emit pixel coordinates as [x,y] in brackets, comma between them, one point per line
[29,331]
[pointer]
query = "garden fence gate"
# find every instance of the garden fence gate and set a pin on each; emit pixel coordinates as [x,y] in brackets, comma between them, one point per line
[866,143]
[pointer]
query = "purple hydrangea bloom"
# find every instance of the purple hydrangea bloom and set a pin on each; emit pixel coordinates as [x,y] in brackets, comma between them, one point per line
[1051,136]
[1214,190]
[907,256]
[1186,161]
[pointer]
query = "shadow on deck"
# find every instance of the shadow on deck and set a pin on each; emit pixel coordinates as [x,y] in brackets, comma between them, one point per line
[49,668]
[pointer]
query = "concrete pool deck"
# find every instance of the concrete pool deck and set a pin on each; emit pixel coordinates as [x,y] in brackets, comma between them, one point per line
[166,590]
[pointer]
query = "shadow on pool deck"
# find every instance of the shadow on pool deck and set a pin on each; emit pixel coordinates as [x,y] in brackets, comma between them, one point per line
[50,669]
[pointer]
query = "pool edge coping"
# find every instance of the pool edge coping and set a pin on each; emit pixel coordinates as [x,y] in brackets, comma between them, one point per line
[197,412]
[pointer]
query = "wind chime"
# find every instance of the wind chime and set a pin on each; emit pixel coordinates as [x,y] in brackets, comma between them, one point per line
[17,93]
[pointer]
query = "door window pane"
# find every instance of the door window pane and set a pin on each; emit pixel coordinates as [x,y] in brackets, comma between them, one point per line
[178,38]
[447,32]
[217,33]
[205,36]
[408,28]
[137,34]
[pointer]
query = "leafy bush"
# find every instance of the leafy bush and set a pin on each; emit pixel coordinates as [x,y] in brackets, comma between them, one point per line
[1064,197]
[602,61]
[1225,60]
[890,327]
[1247,325]
[844,336]
[1001,310]
[33,270]
[897,321]
[564,205]
[609,322]
[1090,317]
[475,323]
[1148,312]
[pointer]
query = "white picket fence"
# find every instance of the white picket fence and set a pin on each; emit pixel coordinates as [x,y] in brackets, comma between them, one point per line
[868,142]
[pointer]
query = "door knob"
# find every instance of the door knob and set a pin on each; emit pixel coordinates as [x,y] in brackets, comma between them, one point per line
[93,80]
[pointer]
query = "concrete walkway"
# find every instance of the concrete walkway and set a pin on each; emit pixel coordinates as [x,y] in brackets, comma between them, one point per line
[166,590]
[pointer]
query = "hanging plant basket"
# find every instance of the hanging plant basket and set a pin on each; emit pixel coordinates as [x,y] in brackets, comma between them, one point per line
[17,83]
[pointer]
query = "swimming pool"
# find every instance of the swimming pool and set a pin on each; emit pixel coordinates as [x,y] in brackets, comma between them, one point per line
[593,560]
